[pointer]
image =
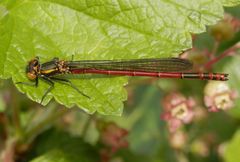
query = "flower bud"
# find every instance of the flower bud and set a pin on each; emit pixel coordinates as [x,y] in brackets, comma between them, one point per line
[218,96]
[178,140]
[225,29]
[222,31]
[177,110]
[200,147]
[113,137]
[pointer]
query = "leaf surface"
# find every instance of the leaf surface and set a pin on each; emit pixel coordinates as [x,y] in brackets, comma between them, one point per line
[230,3]
[95,30]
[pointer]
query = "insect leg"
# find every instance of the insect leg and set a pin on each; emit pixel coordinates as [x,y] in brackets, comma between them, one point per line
[29,83]
[50,82]
[36,82]
[68,82]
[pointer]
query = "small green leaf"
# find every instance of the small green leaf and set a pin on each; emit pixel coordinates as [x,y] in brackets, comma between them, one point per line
[232,68]
[128,156]
[57,155]
[54,146]
[52,156]
[232,149]
[105,29]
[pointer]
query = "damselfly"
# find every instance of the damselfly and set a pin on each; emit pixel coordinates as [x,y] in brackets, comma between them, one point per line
[162,68]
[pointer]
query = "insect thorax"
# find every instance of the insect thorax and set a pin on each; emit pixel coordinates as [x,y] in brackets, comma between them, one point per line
[63,67]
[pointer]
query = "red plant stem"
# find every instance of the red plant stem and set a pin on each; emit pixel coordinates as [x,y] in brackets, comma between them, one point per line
[228,52]
[9,152]
[211,55]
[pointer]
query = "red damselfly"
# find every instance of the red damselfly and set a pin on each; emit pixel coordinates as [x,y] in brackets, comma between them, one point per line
[162,68]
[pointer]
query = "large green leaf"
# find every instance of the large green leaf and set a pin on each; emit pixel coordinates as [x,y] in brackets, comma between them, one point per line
[231,2]
[87,29]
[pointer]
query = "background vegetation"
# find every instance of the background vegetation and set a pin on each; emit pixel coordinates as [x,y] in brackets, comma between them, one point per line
[147,130]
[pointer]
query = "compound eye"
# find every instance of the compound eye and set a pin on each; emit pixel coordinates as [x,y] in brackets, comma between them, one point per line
[31,76]
[35,63]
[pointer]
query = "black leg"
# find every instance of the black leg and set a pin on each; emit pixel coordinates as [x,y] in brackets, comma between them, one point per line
[36,82]
[68,82]
[50,82]
[29,83]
